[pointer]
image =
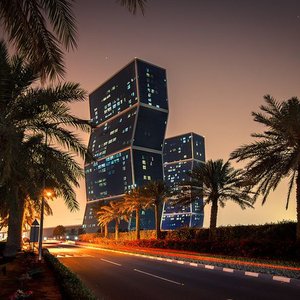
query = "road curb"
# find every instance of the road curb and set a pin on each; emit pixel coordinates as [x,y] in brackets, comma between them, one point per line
[278,278]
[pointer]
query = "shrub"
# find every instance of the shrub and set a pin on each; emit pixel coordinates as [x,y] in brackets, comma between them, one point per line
[184,234]
[276,241]
[283,231]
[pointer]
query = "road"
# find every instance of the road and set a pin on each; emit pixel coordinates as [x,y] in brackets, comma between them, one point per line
[120,276]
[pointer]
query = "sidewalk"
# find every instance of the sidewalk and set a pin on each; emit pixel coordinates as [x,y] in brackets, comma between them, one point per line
[256,268]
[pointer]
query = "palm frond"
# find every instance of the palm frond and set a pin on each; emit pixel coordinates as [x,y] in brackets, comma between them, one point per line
[134,5]
[31,37]
[63,21]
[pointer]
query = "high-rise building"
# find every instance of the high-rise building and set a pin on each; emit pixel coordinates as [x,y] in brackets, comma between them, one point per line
[129,116]
[181,154]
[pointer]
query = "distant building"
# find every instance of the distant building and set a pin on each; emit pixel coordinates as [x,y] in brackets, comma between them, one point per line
[129,114]
[181,154]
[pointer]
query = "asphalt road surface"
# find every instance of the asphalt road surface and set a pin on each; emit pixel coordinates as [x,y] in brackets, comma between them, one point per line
[120,276]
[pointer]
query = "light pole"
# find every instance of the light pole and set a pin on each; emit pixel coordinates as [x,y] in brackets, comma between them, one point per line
[48,194]
[43,201]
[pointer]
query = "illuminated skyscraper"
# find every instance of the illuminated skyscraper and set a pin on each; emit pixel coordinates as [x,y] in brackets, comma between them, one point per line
[181,154]
[129,114]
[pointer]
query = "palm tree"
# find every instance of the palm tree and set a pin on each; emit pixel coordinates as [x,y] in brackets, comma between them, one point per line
[110,213]
[275,154]
[157,192]
[95,208]
[216,182]
[32,211]
[40,29]
[31,121]
[134,201]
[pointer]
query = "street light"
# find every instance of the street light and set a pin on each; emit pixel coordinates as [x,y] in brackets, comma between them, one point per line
[47,193]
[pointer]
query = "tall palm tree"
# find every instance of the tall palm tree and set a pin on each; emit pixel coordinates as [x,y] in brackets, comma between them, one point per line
[157,192]
[111,213]
[40,29]
[217,182]
[275,154]
[134,201]
[30,117]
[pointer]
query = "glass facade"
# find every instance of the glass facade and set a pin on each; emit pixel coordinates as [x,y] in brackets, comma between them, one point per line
[181,154]
[178,148]
[114,96]
[129,114]
[153,85]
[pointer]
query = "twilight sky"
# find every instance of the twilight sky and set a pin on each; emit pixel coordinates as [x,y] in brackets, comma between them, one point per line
[221,57]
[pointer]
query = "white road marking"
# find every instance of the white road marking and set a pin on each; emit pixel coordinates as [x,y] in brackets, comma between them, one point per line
[228,270]
[280,278]
[169,260]
[155,276]
[209,267]
[253,274]
[180,262]
[111,262]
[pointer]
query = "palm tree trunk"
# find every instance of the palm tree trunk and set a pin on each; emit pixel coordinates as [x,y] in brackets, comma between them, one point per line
[106,230]
[298,205]
[137,225]
[117,230]
[157,221]
[213,219]
[14,238]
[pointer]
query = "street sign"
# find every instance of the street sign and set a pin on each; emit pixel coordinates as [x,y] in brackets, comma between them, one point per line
[34,232]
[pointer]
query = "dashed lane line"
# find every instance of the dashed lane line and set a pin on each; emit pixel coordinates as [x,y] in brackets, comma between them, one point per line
[111,262]
[159,277]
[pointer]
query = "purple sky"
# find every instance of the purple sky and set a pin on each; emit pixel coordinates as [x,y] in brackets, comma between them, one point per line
[221,57]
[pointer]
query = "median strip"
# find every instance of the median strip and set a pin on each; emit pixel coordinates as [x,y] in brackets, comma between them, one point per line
[155,276]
